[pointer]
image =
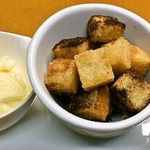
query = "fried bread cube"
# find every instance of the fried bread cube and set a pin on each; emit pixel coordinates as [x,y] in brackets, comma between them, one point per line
[68,48]
[104,28]
[93,105]
[133,93]
[140,61]
[62,76]
[94,70]
[119,55]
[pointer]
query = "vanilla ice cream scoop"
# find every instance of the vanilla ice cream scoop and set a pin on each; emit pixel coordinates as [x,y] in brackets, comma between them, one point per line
[14,84]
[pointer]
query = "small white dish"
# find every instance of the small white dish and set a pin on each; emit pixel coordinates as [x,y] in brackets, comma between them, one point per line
[71,22]
[15,46]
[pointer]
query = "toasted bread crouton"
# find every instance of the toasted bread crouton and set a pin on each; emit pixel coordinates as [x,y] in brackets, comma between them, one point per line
[68,48]
[119,55]
[133,93]
[62,76]
[140,61]
[94,70]
[93,105]
[104,28]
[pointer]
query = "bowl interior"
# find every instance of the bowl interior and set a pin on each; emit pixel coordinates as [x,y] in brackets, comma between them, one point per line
[14,45]
[72,22]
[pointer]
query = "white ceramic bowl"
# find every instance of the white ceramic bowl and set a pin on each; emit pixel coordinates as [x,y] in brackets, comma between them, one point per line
[15,46]
[71,22]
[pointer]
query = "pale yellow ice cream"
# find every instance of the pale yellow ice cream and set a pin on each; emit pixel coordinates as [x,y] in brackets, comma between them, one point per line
[14,84]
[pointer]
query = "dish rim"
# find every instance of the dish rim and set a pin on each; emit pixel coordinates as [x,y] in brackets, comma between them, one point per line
[47,99]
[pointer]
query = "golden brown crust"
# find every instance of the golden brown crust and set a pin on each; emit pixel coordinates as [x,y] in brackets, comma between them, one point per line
[119,55]
[93,105]
[68,48]
[71,42]
[104,28]
[132,92]
[107,20]
[62,76]
[140,61]
[94,69]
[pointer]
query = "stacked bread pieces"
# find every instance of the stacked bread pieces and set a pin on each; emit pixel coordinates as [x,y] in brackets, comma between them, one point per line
[89,77]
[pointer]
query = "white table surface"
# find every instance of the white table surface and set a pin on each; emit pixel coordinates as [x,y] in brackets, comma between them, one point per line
[39,130]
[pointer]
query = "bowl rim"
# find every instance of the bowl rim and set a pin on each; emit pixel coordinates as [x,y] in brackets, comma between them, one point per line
[47,100]
[31,93]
